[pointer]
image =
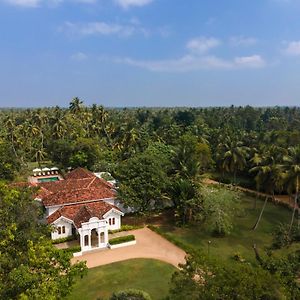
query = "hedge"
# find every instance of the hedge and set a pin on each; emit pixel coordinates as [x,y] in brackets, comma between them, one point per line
[65,239]
[125,228]
[122,239]
[72,249]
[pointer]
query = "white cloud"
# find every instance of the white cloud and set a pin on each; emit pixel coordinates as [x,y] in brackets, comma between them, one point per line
[197,58]
[237,41]
[193,63]
[24,3]
[128,3]
[254,61]
[101,28]
[293,48]
[202,44]
[79,56]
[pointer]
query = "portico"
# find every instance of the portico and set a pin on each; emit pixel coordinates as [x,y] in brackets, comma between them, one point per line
[93,234]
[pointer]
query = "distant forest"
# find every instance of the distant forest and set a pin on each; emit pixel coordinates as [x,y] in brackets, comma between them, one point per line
[231,144]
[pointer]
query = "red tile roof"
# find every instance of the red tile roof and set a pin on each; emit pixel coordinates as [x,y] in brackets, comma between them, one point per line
[80,213]
[79,173]
[80,185]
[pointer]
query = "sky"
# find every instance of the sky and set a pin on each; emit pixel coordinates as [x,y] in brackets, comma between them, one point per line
[150,52]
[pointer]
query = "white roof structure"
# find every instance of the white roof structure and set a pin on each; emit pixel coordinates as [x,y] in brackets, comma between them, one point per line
[45,169]
[54,169]
[36,170]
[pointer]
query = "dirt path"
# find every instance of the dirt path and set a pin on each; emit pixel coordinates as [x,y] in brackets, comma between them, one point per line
[148,245]
[285,199]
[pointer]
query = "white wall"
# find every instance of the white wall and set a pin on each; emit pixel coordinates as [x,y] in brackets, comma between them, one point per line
[68,230]
[117,221]
[50,210]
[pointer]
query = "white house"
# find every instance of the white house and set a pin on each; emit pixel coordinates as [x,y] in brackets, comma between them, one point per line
[81,204]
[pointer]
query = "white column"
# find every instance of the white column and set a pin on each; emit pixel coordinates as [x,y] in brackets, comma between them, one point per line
[106,235]
[90,239]
[81,241]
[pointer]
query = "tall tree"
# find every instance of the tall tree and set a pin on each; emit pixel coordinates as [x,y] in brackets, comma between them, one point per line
[292,167]
[30,266]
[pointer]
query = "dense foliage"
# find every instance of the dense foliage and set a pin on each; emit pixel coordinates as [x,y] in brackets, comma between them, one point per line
[158,157]
[30,266]
[202,278]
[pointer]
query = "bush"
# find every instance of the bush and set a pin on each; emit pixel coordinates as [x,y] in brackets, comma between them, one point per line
[63,240]
[72,249]
[282,236]
[122,239]
[125,228]
[130,294]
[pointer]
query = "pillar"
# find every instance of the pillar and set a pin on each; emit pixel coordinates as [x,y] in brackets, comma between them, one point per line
[90,239]
[81,241]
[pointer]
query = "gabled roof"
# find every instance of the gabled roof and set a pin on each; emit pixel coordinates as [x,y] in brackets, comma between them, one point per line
[80,213]
[80,185]
[79,173]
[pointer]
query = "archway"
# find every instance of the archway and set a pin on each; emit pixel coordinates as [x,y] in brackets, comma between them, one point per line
[94,238]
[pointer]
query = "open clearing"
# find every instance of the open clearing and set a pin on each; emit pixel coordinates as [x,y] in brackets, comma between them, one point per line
[151,276]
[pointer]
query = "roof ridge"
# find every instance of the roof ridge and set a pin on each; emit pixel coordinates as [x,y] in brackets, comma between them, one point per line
[91,182]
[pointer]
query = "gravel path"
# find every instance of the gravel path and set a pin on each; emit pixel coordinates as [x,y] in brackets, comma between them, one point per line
[149,245]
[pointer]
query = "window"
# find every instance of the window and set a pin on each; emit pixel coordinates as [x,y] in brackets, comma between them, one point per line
[59,230]
[63,229]
[111,221]
[86,240]
[102,238]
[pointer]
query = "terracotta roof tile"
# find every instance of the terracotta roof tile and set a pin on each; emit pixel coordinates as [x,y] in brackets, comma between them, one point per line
[80,185]
[79,173]
[80,213]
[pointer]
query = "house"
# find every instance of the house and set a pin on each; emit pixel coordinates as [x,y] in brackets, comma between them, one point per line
[81,204]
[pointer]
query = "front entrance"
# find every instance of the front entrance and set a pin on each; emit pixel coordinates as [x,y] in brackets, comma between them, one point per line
[95,238]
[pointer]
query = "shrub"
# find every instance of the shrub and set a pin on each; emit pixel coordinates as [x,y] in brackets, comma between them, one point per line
[282,236]
[125,228]
[122,239]
[130,294]
[72,249]
[63,240]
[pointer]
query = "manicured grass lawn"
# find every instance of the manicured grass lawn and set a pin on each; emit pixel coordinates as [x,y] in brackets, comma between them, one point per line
[242,237]
[151,276]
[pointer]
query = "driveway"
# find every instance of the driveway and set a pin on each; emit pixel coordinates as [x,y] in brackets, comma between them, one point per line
[148,245]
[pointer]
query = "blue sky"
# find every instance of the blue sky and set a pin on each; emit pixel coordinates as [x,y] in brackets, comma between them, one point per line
[150,52]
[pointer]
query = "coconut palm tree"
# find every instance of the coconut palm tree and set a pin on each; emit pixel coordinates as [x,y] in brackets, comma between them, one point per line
[292,167]
[75,105]
[269,177]
[232,156]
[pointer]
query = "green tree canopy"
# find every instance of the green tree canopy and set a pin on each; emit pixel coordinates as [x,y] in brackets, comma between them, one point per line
[30,266]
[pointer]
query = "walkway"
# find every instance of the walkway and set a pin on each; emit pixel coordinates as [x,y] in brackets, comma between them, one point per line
[148,245]
[284,199]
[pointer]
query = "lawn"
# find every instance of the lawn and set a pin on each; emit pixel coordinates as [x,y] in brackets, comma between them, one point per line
[242,236]
[149,275]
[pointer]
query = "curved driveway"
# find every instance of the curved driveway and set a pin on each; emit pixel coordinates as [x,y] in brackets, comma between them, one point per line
[148,245]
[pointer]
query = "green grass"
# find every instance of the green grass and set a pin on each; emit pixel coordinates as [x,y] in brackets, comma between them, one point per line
[242,236]
[151,276]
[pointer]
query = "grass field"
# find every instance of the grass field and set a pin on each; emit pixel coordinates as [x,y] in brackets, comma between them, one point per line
[242,237]
[149,275]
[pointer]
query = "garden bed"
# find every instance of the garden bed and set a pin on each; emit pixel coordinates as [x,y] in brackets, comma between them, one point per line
[122,241]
